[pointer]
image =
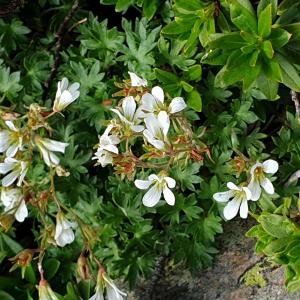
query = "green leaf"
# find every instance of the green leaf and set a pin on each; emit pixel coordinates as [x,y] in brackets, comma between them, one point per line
[272,70]
[71,293]
[268,87]
[265,22]
[279,37]
[243,16]
[235,69]
[84,287]
[122,5]
[11,245]
[30,274]
[51,266]
[267,49]
[274,225]
[289,75]
[187,177]
[227,41]
[194,73]
[194,101]
[13,34]
[294,251]
[186,86]
[276,246]
[9,83]
[207,29]
[150,7]
[175,28]
[264,3]
[6,296]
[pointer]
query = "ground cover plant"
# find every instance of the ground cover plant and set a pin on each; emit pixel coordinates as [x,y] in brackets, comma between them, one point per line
[130,131]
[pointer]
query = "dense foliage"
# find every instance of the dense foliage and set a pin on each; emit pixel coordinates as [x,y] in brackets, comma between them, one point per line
[223,77]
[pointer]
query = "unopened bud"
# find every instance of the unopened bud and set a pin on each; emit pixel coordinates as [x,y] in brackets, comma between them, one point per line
[83,267]
[6,221]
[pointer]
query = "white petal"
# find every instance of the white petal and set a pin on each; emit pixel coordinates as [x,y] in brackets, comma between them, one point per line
[53,145]
[137,128]
[267,185]
[11,126]
[158,93]
[142,184]
[74,87]
[10,178]
[154,142]
[255,189]
[270,166]
[164,121]
[64,84]
[170,182]
[66,98]
[21,212]
[152,197]
[114,139]
[111,148]
[223,196]
[122,118]
[4,140]
[177,105]
[46,156]
[153,177]
[129,107]
[244,209]
[232,186]
[232,208]
[66,237]
[12,150]
[169,196]
[247,193]
[6,167]
[153,125]
[148,102]
[136,80]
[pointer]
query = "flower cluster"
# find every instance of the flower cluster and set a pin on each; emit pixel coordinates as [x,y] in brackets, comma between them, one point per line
[19,138]
[238,196]
[145,114]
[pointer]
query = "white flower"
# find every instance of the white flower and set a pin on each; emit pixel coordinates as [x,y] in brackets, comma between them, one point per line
[47,147]
[106,147]
[160,184]
[154,102]
[258,178]
[63,232]
[136,80]
[129,115]
[45,291]
[14,203]
[10,140]
[17,170]
[240,196]
[65,94]
[112,292]
[98,294]
[157,129]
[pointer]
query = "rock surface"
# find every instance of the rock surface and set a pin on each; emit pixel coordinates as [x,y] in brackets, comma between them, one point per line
[224,280]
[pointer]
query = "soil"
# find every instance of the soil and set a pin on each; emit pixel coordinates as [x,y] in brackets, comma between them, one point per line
[224,280]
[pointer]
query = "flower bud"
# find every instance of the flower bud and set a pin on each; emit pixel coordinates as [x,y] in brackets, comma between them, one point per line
[83,267]
[6,221]
[45,291]
[22,259]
